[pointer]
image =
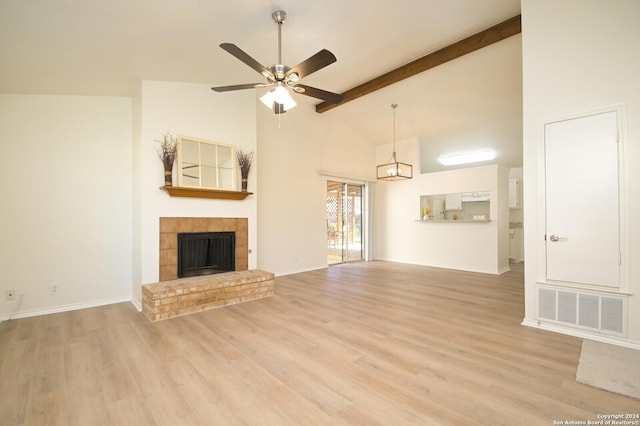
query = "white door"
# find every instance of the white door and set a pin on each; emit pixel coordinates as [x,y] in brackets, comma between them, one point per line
[582,207]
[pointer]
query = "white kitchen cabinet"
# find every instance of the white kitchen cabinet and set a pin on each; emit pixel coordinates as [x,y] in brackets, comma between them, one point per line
[453,202]
[514,194]
[516,245]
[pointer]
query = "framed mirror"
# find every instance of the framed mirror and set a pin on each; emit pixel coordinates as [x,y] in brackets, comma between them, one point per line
[206,164]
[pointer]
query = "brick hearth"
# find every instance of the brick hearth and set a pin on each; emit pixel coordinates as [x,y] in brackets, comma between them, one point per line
[183,296]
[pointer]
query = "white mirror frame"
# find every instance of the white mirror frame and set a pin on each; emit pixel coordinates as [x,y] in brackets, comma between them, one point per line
[213,164]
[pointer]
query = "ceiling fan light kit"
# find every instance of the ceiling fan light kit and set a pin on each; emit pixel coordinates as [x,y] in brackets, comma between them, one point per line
[394,169]
[280,96]
[282,77]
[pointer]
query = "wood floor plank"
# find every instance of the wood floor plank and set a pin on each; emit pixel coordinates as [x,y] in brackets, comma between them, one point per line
[81,371]
[49,371]
[85,410]
[47,409]
[17,364]
[371,343]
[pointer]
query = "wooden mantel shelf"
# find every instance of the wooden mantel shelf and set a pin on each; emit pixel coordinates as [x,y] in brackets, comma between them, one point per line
[182,191]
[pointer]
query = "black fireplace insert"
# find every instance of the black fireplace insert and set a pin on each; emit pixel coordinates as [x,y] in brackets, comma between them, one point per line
[204,253]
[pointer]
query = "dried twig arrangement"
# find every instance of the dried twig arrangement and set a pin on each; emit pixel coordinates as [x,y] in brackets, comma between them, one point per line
[168,150]
[244,161]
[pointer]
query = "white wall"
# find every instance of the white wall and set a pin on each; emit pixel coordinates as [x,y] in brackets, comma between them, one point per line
[66,202]
[292,206]
[578,56]
[136,241]
[400,237]
[192,110]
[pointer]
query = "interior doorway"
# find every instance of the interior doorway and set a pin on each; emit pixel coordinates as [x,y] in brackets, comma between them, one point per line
[345,240]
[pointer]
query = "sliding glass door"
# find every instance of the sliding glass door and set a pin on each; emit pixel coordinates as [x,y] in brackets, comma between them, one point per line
[345,242]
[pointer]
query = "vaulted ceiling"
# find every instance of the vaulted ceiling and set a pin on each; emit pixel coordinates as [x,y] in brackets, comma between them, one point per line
[105,47]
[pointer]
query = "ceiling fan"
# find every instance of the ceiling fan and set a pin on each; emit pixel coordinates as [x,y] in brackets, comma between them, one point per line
[281,76]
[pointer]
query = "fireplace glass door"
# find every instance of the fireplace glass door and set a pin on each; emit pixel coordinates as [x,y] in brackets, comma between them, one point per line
[204,253]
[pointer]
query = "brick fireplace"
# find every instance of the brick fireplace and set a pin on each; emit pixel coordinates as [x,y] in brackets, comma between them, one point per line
[171,226]
[172,296]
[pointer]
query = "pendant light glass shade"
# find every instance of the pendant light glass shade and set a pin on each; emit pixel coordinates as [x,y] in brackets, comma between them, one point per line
[394,169]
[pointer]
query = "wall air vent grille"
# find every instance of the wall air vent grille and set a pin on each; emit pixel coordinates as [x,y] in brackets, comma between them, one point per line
[567,307]
[547,304]
[589,310]
[612,309]
[583,309]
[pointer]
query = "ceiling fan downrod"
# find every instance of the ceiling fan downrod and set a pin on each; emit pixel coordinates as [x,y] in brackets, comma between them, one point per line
[279,17]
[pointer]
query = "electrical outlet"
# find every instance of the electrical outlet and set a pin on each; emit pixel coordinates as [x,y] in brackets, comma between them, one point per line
[53,289]
[10,295]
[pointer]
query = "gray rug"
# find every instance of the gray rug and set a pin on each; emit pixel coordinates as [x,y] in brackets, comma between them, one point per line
[609,367]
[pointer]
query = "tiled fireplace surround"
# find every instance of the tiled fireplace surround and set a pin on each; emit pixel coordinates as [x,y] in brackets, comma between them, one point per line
[171,226]
[173,297]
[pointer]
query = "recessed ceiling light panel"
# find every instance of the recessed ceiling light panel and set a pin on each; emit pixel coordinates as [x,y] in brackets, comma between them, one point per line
[467,157]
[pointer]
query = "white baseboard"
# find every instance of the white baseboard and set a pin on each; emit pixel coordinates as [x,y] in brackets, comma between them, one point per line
[503,270]
[581,334]
[63,308]
[299,271]
[456,268]
[135,302]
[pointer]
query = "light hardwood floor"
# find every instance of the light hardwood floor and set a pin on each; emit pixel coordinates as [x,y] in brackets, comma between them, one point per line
[372,343]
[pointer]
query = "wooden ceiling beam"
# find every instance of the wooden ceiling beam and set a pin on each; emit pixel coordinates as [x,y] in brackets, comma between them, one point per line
[470,44]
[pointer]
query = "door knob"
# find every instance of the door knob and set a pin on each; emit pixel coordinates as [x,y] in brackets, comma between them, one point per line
[555,238]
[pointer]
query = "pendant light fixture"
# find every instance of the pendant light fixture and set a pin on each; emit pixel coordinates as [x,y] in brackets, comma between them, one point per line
[394,170]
